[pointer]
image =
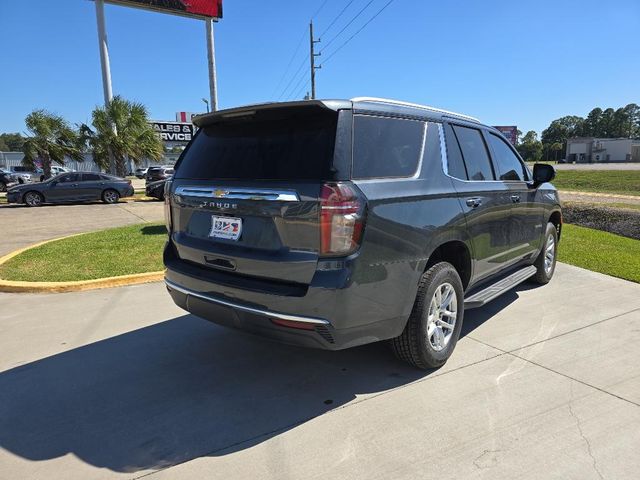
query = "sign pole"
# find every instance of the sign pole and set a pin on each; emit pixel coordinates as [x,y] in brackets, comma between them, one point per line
[106,68]
[211,60]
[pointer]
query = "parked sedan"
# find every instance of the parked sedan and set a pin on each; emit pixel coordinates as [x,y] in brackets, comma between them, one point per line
[72,187]
[156,189]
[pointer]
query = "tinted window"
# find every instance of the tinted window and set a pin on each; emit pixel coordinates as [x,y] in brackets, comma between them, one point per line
[284,144]
[386,147]
[21,169]
[68,178]
[90,177]
[455,164]
[509,166]
[474,152]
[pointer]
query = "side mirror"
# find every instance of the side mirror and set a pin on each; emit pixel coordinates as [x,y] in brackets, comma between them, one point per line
[543,173]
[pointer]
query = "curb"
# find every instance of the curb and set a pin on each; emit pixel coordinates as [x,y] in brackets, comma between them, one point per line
[19,286]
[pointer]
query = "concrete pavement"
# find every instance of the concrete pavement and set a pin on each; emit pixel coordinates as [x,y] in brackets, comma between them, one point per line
[26,226]
[120,383]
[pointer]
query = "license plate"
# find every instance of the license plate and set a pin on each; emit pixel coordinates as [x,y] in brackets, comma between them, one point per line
[228,228]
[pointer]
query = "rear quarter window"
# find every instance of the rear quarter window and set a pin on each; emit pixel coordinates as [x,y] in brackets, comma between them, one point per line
[386,147]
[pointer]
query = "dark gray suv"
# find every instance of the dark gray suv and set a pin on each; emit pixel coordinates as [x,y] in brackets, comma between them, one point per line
[337,223]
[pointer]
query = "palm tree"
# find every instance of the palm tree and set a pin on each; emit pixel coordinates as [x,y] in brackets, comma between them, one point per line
[121,127]
[51,139]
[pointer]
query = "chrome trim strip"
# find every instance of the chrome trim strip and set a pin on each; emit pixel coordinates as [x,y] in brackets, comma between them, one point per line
[238,193]
[414,105]
[244,308]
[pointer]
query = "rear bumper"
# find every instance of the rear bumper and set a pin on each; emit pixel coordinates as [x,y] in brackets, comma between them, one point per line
[326,312]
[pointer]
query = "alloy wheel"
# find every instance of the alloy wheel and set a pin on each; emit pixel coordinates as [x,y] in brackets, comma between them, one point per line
[33,199]
[549,254]
[441,319]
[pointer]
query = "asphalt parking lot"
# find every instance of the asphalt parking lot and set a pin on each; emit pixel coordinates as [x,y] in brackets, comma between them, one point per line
[121,383]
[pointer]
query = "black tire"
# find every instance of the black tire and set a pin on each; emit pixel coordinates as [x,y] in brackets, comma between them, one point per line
[3,187]
[415,345]
[544,270]
[110,196]
[33,198]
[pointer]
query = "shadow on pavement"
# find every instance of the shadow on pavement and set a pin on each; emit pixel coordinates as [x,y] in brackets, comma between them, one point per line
[181,389]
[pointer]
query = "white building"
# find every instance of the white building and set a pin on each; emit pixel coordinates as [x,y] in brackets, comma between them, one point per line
[602,150]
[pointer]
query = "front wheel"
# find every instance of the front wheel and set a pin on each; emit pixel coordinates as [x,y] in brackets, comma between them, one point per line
[434,325]
[546,262]
[110,196]
[33,199]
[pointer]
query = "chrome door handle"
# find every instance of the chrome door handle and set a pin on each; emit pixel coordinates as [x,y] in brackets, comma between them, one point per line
[515,198]
[474,202]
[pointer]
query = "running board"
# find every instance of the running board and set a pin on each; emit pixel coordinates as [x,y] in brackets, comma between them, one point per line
[494,290]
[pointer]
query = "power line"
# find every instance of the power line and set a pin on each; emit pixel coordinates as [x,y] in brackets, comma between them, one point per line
[357,32]
[346,26]
[286,70]
[295,87]
[299,92]
[295,75]
[336,19]
[319,8]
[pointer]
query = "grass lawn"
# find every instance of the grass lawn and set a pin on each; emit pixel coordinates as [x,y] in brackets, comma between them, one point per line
[600,251]
[625,182]
[107,253]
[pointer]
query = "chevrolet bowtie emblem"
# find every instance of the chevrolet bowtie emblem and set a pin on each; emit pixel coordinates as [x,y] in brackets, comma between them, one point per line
[220,193]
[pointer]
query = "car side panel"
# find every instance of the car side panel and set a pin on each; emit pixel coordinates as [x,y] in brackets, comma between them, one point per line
[407,219]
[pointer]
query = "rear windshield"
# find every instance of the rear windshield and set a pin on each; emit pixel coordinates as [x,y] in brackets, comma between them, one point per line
[294,144]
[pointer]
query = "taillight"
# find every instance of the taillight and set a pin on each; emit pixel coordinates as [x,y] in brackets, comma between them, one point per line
[167,206]
[342,211]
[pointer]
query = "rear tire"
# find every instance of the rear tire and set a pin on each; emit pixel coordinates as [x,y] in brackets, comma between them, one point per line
[434,325]
[110,196]
[33,199]
[546,261]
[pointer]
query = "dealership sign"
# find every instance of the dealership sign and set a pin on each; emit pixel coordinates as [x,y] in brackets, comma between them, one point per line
[511,132]
[187,8]
[174,132]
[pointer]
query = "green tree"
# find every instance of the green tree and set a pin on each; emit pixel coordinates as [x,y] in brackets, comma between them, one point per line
[132,138]
[12,142]
[529,147]
[591,124]
[51,139]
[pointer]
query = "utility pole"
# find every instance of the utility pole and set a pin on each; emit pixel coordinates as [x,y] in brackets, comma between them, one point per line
[312,57]
[106,70]
[211,61]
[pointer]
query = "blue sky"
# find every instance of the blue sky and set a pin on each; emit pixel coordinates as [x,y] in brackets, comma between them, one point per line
[506,62]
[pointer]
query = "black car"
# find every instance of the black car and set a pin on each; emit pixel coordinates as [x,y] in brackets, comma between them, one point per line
[158,173]
[155,189]
[337,223]
[72,187]
[7,180]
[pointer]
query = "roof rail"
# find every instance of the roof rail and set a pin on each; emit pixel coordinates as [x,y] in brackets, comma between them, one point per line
[414,105]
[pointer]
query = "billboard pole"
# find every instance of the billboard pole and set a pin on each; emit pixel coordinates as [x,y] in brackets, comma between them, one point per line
[106,68]
[211,60]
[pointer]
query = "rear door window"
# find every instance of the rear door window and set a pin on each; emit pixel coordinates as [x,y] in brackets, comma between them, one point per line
[509,165]
[292,144]
[90,177]
[69,178]
[474,152]
[386,147]
[455,164]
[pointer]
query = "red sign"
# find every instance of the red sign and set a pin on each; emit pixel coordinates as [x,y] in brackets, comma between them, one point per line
[188,8]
